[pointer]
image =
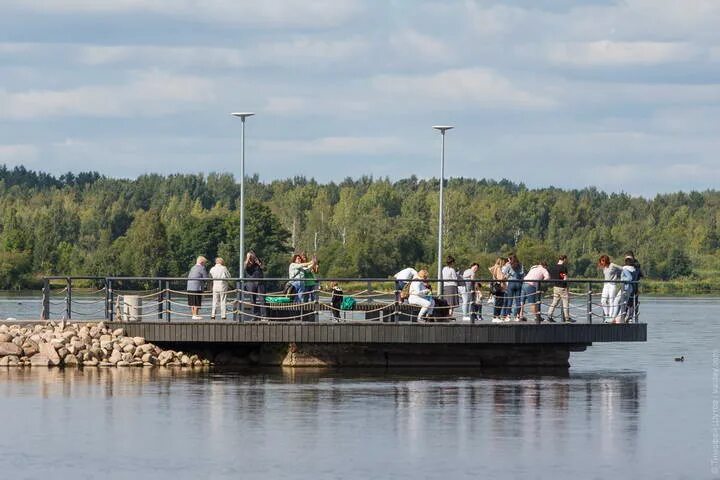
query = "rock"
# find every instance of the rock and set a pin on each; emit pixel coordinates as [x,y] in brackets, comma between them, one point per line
[146,357]
[19,340]
[5,337]
[62,351]
[127,357]
[93,362]
[148,364]
[146,348]
[185,360]
[122,363]
[101,325]
[136,363]
[9,348]
[3,328]
[48,350]
[198,363]
[70,360]
[118,332]
[106,340]
[30,348]
[129,348]
[115,357]
[94,332]
[173,364]
[9,361]
[39,360]
[138,341]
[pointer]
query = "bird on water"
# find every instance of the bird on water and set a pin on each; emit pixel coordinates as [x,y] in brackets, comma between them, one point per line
[680,359]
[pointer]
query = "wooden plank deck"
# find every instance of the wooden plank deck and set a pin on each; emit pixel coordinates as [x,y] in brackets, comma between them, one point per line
[383,333]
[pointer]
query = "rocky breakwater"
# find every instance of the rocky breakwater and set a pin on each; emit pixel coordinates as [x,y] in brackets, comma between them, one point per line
[86,345]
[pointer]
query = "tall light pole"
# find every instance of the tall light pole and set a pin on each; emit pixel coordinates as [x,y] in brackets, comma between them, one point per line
[243,116]
[442,129]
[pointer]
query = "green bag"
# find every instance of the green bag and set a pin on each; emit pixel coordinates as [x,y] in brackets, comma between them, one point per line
[348,303]
[277,300]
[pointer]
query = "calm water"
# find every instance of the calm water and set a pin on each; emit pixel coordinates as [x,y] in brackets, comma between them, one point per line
[622,411]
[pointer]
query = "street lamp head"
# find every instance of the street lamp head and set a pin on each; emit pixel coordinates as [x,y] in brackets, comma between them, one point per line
[242,115]
[443,128]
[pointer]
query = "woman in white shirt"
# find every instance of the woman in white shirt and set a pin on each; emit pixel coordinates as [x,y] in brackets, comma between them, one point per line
[610,298]
[450,284]
[421,295]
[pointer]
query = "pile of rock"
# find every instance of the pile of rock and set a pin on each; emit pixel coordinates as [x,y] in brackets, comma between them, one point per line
[88,344]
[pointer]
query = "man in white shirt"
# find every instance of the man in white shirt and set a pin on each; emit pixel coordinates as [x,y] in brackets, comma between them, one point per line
[219,271]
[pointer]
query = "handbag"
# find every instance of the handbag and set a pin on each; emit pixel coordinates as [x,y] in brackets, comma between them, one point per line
[496,288]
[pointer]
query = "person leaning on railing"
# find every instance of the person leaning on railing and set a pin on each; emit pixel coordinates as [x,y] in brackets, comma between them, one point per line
[421,295]
[628,301]
[531,290]
[514,273]
[196,286]
[401,279]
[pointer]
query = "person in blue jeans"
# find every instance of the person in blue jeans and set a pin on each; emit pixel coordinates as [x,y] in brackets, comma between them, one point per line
[513,271]
[296,274]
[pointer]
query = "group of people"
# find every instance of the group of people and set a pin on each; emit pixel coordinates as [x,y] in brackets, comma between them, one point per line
[516,293]
[198,277]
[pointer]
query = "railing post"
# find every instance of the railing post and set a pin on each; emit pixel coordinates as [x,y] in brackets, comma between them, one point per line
[369,291]
[45,314]
[167,301]
[589,302]
[160,300]
[111,301]
[237,314]
[107,299]
[68,299]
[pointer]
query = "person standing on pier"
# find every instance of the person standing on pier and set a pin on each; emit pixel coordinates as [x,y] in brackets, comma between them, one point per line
[467,291]
[559,273]
[610,298]
[639,275]
[497,288]
[256,287]
[219,272]
[196,286]
[421,295]
[296,273]
[450,284]
[514,273]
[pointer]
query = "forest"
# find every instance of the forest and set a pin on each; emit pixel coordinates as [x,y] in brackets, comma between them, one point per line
[154,225]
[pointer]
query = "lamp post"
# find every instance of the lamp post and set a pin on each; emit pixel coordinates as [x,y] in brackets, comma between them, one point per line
[442,129]
[243,116]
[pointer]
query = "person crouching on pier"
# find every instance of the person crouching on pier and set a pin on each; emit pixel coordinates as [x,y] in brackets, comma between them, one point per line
[531,290]
[196,286]
[401,279]
[421,295]
[219,288]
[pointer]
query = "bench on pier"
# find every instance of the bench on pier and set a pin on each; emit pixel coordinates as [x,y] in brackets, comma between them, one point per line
[373,311]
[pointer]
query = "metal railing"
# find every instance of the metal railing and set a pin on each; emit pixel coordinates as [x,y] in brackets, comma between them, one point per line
[375,299]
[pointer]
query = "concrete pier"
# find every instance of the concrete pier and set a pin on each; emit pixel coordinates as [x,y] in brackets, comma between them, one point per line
[297,344]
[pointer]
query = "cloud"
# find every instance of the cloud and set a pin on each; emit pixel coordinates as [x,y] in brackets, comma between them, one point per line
[420,46]
[607,53]
[17,154]
[275,13]
[460,88]
[345,146]
[148,94]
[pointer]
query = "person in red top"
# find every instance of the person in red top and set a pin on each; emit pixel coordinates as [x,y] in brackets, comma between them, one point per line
[530,290]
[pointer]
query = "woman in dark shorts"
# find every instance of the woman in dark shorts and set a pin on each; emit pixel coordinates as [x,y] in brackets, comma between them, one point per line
[196,286]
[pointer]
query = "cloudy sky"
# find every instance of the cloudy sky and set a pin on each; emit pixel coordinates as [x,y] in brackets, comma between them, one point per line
[623,95]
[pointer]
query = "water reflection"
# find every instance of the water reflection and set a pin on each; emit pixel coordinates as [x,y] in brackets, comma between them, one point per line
[501,410]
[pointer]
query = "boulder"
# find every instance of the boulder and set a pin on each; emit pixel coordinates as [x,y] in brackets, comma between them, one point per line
[19,340]
[30,348]
[138,341]
[118,332]
[9,361]
[127,357]
[39,360]
[122,363]
[62,351]
[3,328]
[93,362]
[106,340]
[94,332]
[6,337]
[115,357]
[48,350]
[9,348]
[70,360]
[185,360]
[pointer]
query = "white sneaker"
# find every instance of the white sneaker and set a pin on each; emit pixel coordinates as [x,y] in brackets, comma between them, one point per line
[196,317]
[466,319]
[497,320]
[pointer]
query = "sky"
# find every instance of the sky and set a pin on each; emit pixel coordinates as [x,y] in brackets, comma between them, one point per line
[623,96]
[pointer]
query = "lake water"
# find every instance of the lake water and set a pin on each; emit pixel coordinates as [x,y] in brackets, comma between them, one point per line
[621,411]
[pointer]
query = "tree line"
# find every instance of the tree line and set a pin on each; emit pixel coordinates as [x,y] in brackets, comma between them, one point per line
[156,225]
